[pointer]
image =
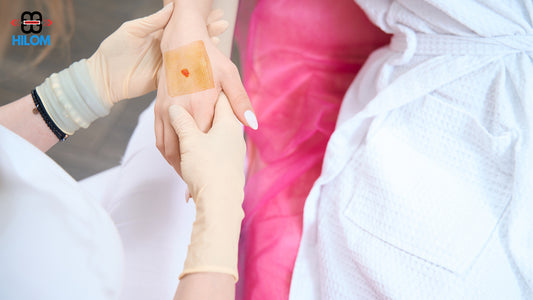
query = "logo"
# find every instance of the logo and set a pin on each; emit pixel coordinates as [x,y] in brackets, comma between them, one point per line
[31,24]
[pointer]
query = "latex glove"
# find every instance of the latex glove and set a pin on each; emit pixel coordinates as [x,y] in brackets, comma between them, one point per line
[127,63]
[212,165]
[182,30]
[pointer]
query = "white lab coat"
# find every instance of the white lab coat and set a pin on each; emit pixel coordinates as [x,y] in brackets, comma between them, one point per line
[55,242]
[146,200]
[143,200]
[426,188]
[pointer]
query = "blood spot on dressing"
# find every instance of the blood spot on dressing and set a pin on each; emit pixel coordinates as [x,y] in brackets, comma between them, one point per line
[188,70]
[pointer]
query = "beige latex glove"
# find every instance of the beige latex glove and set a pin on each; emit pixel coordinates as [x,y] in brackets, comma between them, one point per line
[212,165]
[127,63]
[186,27]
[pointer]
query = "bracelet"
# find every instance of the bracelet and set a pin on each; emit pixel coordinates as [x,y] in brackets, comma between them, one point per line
[40,108]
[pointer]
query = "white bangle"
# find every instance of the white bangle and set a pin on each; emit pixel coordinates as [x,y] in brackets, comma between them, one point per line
[71,99]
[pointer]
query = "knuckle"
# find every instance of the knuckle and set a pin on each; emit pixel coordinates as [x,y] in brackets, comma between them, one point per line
[230,69]
[126,25]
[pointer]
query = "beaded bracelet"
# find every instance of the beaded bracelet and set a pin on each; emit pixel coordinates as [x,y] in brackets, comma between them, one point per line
[40,108]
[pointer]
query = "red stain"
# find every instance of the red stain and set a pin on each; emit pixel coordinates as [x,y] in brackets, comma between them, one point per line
[185,72]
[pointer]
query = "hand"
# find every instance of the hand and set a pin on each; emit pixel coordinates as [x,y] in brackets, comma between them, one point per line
[182,30]
[209,160]
[212,165]
[127,63]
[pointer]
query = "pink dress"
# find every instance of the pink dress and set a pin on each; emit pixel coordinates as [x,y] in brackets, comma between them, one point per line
[299,59]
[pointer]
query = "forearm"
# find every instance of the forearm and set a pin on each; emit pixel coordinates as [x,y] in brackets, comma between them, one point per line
[215,180]
[201,7]
[192,14]
[18,116]
[200,286]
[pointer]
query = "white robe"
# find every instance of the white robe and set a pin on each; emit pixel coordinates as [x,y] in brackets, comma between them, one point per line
[426,188]
[55,242]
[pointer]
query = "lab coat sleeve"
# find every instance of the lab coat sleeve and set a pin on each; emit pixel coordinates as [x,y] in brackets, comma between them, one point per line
[54,242]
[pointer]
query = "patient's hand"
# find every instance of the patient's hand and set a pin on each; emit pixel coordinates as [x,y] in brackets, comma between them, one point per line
[194,72]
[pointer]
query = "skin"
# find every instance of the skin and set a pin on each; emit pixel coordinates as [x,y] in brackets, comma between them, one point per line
[139,41]
[18,117]
[203,285]
[206,286]
[187,25]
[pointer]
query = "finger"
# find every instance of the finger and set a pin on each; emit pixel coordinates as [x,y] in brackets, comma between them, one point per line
[144,26]
[159,138]
[238,98]
[215,15]
[182,122]
[172,148]
[215,40]
[217,28]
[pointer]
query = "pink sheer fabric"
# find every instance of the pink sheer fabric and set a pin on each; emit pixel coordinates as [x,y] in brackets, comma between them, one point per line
[299,59]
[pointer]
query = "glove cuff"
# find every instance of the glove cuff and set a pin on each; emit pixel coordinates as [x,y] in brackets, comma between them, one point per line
[71,99]
[215,237]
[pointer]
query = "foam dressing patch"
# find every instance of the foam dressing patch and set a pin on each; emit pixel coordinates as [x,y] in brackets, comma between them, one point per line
[188,69]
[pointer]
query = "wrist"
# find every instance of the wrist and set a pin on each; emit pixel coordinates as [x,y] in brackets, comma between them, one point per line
[183,28]
[201,8]
[71,99]
[98,70]
[215,234]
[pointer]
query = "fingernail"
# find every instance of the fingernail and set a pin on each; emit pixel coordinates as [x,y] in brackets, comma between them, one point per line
[251,119]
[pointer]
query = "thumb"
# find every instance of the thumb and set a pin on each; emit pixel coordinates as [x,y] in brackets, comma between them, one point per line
[144,26]
[183,123]
[238,98]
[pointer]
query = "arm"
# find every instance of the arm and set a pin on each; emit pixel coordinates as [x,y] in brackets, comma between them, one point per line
[216,182]
[125,66]
[201,7]
[18,117]
[209,286]
[97,83]
[184,37]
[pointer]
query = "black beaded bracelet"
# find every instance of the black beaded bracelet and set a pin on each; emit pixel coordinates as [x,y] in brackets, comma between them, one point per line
[40,108]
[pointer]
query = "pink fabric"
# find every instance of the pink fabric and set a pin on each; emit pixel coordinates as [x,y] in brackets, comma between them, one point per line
[300,58]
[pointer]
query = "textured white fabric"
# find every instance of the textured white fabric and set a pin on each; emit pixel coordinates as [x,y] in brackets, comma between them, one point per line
[146,200]
[426,188]
[55,243]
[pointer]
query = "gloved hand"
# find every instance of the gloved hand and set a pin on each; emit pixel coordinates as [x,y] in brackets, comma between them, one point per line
[185,43]
[212,165]
[125,65]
